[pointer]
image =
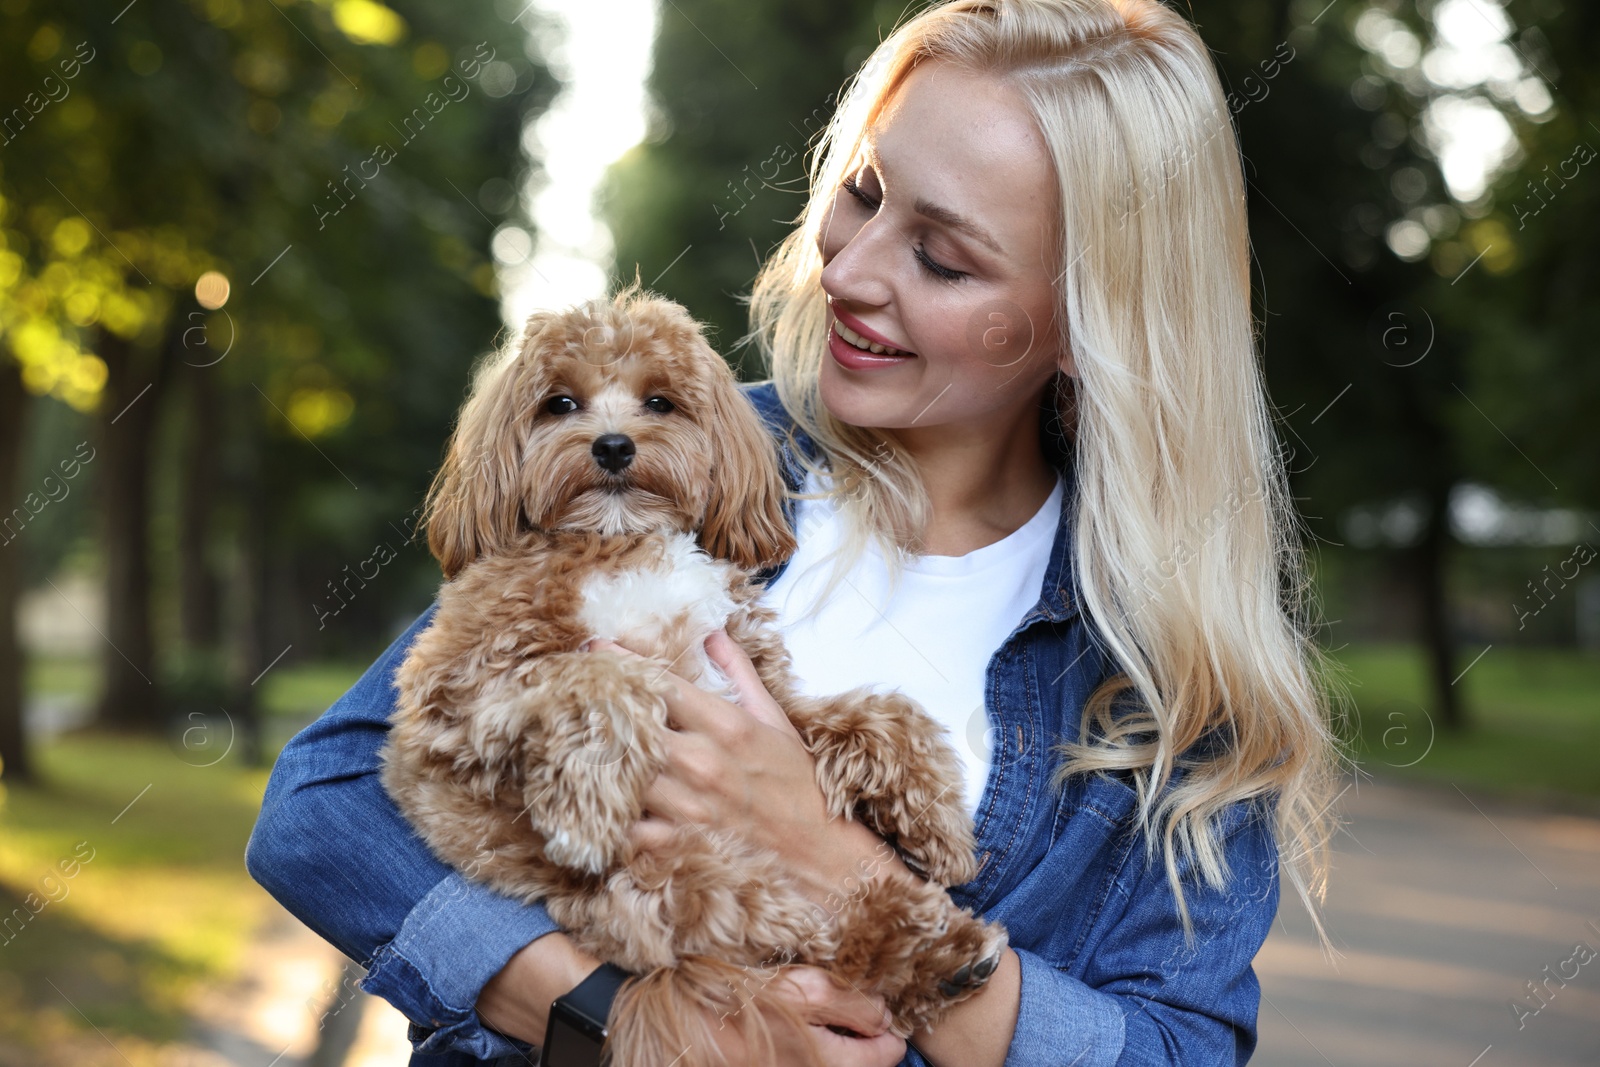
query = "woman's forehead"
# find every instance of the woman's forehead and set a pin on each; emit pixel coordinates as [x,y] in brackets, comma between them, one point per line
[966,145]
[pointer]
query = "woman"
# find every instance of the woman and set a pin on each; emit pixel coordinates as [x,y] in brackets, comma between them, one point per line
[1014,371]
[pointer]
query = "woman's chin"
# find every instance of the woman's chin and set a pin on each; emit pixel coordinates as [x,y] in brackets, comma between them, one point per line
[862,400]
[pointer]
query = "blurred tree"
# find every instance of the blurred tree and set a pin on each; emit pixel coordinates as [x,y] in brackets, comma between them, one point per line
[1533,349]
[1401,330]
[740,91]
[14,759]
[290,149]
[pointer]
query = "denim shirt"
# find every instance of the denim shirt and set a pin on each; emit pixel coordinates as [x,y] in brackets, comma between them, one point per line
[1108,976]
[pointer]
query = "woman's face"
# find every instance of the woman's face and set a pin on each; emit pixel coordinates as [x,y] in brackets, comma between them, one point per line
[941,245]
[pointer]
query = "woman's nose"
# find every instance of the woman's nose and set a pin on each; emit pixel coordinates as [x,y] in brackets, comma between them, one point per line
[854,268]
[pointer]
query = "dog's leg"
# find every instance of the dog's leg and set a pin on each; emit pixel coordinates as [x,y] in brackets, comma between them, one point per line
[878,754]
[906,941]
[705,893]
[602,722]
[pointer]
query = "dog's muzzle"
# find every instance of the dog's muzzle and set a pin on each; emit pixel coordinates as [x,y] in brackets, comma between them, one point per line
[613,451]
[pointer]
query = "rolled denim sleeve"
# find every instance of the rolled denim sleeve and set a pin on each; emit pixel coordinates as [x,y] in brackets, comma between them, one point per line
[334,850]
[1061,1020]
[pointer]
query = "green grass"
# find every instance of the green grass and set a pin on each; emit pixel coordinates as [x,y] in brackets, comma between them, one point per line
[1534,719]
[162,905]
[307,689]
[62,676]
[163,908]
[298,691]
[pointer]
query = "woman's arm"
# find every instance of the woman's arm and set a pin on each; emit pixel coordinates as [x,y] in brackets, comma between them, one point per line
[517,1000]
[332,847]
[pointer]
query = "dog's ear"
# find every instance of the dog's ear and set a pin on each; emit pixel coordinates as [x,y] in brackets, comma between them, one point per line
[475,501]
[744,520]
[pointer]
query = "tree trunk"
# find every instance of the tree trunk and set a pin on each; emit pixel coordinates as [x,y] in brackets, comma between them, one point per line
[14,761]
[251,594]
[1431,561]
[197,581]
[135,384]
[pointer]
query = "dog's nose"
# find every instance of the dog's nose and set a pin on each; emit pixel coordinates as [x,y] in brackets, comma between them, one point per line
[613,451]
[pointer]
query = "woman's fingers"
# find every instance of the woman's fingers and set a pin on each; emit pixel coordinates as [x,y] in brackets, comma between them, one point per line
[841,1050]
[727,654]
[822,1002]
[687,705]
[691,707]
[601,644]
[812,1044]
[651,834]
[673,800]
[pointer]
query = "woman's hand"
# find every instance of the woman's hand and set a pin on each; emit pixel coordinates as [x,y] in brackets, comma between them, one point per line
[816,1000]
[516,1002]
[742,767]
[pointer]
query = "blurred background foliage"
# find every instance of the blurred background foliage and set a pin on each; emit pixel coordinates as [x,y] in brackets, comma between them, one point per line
[245,270]
[248,444]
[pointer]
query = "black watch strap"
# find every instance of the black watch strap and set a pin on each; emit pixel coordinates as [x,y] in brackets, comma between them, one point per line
[591,999]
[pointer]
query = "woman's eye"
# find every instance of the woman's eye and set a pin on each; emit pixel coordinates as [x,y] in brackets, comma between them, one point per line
[853,187]
[561,405]
[932,266]
[937,269]
[660,404]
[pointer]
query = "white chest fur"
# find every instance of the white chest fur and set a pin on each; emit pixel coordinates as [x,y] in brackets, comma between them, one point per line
[665,609]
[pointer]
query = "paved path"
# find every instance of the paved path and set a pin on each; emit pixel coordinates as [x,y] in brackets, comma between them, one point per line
[291,988]
[1444,905]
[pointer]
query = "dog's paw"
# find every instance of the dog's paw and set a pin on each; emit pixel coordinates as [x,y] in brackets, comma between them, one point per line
[953,967]
[970,977]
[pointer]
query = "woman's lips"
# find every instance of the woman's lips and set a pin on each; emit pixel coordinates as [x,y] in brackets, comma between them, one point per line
[850,357]
[862,336]
[849,341]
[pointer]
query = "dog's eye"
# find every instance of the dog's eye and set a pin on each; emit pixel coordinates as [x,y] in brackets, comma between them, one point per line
[561,405]
[660,404]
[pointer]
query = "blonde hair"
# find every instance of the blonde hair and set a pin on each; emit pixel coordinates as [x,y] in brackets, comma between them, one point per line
[1186,543]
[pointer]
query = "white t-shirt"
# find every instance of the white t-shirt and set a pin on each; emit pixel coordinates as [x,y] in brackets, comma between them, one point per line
[932,639]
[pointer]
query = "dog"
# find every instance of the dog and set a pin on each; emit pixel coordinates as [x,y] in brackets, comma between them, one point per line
[606,479]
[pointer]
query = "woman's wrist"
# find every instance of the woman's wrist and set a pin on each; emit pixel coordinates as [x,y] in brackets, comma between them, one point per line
[978,1031]
[516,1001]
[851,855]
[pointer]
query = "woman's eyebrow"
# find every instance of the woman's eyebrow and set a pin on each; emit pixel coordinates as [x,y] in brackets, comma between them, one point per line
[959,223]
[928,210]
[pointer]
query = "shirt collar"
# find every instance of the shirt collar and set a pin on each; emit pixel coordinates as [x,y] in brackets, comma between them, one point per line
[1058,597]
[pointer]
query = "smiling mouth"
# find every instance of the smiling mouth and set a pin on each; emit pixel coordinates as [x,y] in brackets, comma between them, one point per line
[855,340]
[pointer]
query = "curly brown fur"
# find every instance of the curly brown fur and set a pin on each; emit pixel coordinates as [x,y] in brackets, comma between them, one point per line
[522,759]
